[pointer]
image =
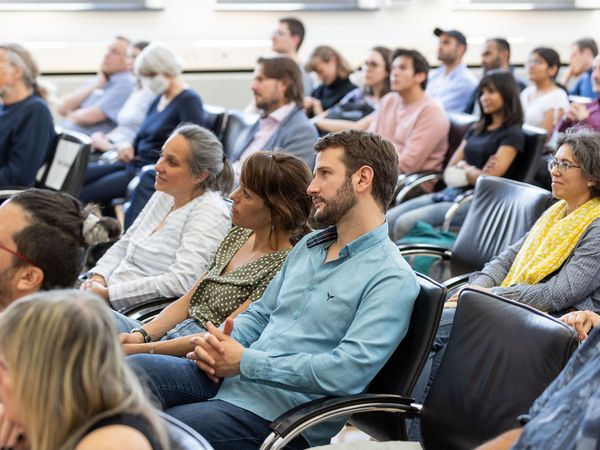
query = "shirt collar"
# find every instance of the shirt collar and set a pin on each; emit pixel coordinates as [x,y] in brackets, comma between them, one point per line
[117,76]
[281,113]
[359,244]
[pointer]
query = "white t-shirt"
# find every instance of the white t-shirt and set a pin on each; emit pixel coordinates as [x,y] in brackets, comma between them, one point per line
[535,108]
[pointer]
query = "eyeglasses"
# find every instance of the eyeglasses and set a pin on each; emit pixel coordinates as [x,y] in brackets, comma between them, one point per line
[561,166]
[16,254]
[534,62]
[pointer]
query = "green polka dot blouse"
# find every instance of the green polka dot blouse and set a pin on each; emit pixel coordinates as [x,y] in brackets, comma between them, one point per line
[219,294]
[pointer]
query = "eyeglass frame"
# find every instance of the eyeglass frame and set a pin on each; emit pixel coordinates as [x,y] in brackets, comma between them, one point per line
[18,255]
[561,166]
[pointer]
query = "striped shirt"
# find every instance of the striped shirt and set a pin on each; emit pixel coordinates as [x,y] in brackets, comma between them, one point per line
[148,263]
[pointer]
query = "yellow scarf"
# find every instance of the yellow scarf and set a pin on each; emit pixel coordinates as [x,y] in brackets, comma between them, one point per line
[550,242]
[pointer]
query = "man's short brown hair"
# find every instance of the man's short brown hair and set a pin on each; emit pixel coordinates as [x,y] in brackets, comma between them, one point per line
[362,148]
[286,69]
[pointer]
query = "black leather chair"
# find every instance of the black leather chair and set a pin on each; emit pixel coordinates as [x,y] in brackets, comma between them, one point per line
[214,118]
[501,212]
[147,310]
[500,357]
[402,369]
[236,130]
[526,163]
[65,166]
[182,437]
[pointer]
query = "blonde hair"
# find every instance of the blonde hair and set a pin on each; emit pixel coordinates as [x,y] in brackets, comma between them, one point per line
[326,54]
[67,368]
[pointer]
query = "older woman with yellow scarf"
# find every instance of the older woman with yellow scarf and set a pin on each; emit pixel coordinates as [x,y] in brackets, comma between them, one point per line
[556,266]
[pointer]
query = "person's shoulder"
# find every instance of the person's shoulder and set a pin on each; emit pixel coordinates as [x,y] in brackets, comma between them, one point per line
[515,128]
[594,228]
[433,108]
[189,96]
[115,437]
[210,202]
[391,98]
[37,104]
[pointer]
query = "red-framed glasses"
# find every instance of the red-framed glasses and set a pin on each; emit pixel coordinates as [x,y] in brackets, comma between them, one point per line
[16,254]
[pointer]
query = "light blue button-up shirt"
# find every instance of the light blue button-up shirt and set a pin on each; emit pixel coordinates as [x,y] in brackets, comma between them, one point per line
[322,328]
[454,90]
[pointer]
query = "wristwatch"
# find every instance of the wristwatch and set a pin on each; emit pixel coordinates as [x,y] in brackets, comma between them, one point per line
[144,333]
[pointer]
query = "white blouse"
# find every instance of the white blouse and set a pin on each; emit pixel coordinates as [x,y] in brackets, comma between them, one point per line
[146,264]
[535,108]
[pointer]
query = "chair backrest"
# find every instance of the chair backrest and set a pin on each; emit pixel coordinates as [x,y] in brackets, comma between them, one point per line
[526,163]
[213,118]
[501,212]
[400,373]
[500,357]
[66,165]
[459,125]
[236,130]
[181,436]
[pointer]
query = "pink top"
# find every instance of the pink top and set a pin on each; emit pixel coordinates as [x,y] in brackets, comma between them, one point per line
[266,127]
[419,131]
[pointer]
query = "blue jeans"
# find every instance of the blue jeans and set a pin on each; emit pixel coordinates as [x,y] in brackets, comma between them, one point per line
[186,328]
[182,390]
[402,218]
[430,370]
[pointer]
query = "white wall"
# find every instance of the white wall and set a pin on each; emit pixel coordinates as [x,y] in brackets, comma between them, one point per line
[209,39]
[66,42]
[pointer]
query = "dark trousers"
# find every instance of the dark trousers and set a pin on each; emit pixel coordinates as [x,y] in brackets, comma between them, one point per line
[141,195]
[105,182]
[182,390]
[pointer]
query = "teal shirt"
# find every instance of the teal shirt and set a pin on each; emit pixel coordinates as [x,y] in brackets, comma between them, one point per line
[322,328]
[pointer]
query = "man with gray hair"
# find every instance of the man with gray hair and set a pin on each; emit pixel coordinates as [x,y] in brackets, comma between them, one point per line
[26,127]
[94,106]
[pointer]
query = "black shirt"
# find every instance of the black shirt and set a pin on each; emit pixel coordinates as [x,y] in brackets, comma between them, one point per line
[331,94]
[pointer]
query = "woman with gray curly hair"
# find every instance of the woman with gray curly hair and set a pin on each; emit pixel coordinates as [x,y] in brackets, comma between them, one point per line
[556,266]
[160,70]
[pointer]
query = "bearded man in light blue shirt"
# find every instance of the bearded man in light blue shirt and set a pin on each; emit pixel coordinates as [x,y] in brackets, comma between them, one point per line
[326,324]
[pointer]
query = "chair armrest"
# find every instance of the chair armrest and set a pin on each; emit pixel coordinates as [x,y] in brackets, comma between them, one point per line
[290,424]
[148,309]
[456,282]
[459,202]
[413,180]
[425,250]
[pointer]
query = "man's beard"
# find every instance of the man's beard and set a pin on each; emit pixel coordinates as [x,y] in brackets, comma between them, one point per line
[333,209]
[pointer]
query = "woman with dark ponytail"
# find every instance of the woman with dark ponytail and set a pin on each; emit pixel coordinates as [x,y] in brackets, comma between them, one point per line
[270,214]
[176,235]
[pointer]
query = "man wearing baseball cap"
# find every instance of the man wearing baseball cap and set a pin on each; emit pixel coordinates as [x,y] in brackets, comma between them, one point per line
[452,83]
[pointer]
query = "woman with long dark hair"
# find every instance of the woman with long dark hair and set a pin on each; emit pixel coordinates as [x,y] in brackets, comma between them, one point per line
[489,147]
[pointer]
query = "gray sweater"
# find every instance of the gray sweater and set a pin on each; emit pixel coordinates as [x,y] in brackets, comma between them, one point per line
[576,284]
